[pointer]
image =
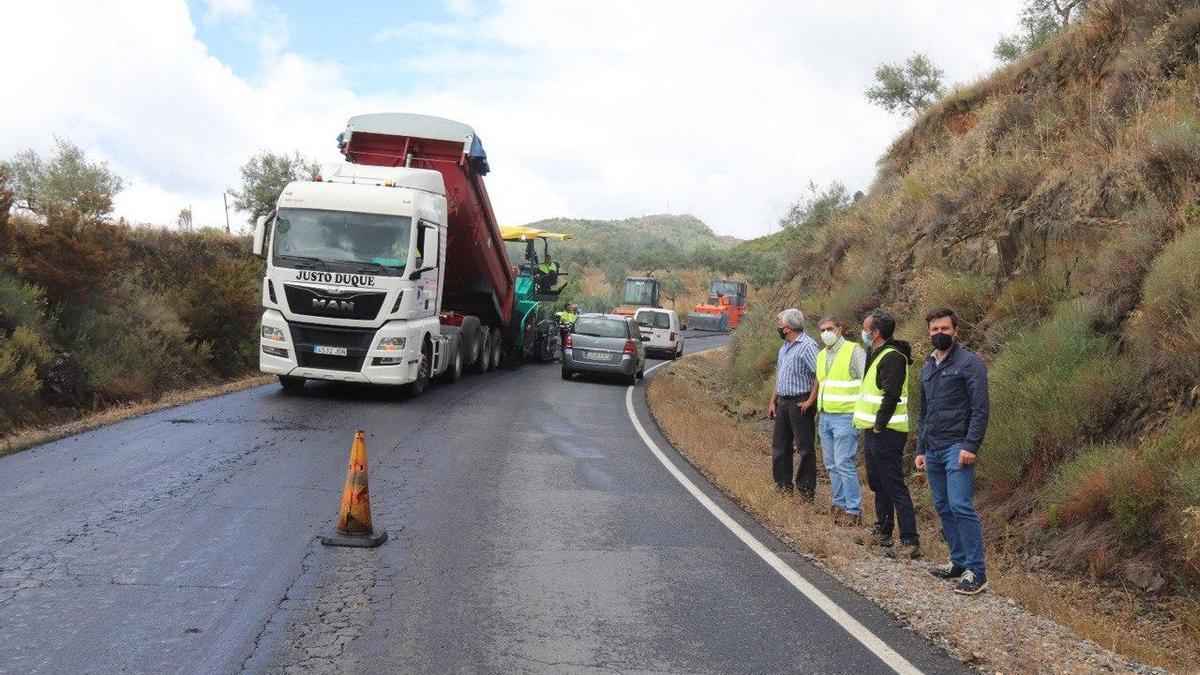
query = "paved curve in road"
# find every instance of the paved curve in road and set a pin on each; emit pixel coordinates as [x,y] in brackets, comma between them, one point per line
[531,530]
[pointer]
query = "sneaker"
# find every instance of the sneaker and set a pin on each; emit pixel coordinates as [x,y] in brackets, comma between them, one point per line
[949,571]
[971,583]
[906,551]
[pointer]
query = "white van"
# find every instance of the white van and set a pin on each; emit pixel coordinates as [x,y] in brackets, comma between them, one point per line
[661,332]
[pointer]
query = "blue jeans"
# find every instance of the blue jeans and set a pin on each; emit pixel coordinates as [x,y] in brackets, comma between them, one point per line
[953,489]
[839,443]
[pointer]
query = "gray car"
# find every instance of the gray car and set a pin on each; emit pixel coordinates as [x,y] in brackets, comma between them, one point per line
[604,343]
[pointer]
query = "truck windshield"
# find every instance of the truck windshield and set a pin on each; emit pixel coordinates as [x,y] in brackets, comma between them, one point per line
[343,239]
[639,291]
[725,288]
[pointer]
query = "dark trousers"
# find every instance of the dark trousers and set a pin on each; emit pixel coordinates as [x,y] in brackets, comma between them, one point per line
[795,431]
[885,475]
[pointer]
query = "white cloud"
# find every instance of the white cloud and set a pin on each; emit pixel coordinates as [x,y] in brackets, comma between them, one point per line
[587,109]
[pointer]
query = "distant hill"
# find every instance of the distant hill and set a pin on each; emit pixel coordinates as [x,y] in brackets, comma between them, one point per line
[683,232]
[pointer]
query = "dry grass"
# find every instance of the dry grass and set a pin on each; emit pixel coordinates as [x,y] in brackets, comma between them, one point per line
[24,439]
[732,452]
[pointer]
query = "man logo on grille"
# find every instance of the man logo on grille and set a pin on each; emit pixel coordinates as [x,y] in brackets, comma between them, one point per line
[333,305]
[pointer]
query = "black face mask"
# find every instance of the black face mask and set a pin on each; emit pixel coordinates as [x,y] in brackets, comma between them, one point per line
[782,333]
[941,341]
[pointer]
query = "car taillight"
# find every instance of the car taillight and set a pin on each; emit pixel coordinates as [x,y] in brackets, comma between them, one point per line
[672,336]
[569,343]
[629,346]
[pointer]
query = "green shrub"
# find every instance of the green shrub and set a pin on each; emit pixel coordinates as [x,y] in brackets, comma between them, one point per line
[221,308]
[20,304]
[1171,306]
[21,356]
[966,293]
[1171,157]
[136,350]
[72,258]
[1053,389]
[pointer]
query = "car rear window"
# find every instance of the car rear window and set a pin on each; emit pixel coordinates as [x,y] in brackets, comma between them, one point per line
[611,328]
[654,319]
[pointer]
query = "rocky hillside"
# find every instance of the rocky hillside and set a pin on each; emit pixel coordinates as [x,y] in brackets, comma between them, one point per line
[1054,206]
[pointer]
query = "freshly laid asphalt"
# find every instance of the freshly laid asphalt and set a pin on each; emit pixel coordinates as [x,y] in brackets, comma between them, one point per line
[531,530]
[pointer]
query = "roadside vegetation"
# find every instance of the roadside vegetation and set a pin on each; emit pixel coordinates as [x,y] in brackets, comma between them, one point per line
[95,312]
[696,407]
[1054,204]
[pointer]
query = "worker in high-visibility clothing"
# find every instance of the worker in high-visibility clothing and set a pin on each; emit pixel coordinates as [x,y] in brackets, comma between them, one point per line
[882,413]
[840,367]
[547,274]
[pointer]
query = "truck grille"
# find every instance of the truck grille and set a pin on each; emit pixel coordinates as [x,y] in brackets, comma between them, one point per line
[353,305]
[356,341]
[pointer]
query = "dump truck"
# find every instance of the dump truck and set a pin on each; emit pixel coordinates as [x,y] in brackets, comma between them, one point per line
[389,268]
[723,309]
[639,292]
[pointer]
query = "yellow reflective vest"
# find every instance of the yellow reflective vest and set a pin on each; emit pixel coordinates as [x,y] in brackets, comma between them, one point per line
[838,390]
[870,399]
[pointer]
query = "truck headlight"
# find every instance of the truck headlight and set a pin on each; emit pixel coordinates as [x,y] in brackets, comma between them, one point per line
[391,344]
[272,333]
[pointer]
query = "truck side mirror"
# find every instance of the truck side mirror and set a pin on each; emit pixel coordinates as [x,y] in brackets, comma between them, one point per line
[430,243]
[260,236]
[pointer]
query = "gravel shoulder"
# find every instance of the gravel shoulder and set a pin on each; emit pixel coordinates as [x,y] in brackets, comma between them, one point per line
[995,632]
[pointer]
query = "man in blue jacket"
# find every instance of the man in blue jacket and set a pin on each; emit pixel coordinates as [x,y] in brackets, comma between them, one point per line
[954,417]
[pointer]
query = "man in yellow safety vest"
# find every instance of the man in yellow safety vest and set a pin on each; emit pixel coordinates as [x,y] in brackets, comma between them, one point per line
[840,367]
[882,412]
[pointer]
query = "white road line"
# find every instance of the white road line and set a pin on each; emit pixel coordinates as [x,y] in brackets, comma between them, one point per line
[851,625]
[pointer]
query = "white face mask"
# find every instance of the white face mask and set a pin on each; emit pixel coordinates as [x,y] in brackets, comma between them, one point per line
[829,337]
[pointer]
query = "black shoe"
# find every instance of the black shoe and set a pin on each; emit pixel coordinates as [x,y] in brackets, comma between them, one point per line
[784,489]
[971,583]
[949,571]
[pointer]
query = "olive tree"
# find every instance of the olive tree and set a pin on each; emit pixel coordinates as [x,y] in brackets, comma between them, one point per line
[263,178]
[65,178]
[907,88]
[1040,21]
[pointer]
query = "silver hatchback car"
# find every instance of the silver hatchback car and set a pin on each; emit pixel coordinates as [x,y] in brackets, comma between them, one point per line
[604,343]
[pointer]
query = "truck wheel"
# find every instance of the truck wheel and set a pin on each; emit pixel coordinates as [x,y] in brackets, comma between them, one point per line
[291,384]
[483,362]
[454,371]
[497,351]
[472,338]
[417,387]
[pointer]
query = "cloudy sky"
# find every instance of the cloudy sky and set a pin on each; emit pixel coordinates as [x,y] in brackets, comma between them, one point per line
[725,110]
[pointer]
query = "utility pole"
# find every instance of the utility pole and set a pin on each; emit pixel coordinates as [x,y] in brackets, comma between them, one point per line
[225,201]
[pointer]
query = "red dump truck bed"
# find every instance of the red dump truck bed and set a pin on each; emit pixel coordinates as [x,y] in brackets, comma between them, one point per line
[479,276]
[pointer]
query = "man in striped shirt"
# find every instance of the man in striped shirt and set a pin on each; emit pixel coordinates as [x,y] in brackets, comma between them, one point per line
[794,414]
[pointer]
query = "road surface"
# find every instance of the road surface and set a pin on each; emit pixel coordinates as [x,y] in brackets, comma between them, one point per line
[532,530]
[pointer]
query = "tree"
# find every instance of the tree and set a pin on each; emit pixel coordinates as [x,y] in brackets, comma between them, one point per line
[263,178]
[184,219]
[818,208]
[67,178]
[907,88]
[1040,21]
[671,287]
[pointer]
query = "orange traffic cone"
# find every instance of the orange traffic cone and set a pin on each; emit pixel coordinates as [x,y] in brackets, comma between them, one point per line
[354,518]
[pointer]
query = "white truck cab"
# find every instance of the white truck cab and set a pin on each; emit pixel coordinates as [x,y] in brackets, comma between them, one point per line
[354,267]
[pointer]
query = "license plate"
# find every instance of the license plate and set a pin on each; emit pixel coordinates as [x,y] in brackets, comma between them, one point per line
[329,351]
[595,356]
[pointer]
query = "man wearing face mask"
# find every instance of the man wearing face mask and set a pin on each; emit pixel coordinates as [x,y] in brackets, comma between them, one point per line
[791,407]
[954,417]
[882,413]
[840,367]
